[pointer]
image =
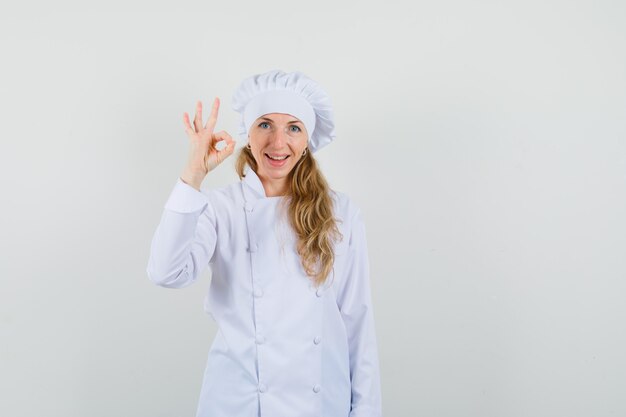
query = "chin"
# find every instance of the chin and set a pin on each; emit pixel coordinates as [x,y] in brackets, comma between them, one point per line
[277,174]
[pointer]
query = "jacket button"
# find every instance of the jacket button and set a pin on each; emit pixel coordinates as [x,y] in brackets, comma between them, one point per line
[253,247]
[319,292]
[317,388]
[260,340]
[248,206]
[317,340]
[258,293]
[262,388]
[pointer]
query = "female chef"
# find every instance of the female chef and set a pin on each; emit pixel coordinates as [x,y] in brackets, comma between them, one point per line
[289,289]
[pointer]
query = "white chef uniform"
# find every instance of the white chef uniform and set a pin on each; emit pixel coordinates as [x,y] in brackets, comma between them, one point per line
[283,347]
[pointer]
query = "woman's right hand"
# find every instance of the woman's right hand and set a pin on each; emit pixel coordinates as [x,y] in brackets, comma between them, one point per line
[203,154]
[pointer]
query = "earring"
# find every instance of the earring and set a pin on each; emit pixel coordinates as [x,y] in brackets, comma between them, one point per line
[304,152]
[248,146]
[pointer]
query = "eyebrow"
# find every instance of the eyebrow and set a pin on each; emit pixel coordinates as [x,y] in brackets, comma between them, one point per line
[270,120]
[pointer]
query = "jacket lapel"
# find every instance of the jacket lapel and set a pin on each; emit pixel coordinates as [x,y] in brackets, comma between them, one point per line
[251,186]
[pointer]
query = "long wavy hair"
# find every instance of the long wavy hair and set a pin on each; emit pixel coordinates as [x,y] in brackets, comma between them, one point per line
[310,213]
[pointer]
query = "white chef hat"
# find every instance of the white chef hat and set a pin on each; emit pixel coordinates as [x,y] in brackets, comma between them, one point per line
[292,93]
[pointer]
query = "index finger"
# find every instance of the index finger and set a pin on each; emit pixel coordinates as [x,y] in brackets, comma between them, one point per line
[210,124]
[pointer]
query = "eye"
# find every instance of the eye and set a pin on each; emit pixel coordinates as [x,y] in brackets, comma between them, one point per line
[263,123]
[299,130]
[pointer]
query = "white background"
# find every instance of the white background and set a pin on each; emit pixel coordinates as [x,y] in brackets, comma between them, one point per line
[485,142]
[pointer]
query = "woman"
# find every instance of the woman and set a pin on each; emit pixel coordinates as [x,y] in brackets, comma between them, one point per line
[290,288]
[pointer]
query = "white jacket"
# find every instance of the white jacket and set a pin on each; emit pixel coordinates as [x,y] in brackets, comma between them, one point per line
[283,347]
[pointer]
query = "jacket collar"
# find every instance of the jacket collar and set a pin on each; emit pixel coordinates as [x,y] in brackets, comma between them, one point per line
[253,188]
[253,183]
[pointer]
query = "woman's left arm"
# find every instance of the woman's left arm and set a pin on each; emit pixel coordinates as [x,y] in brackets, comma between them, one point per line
[355,304]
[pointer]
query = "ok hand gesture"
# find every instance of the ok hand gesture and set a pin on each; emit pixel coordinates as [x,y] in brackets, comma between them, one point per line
[203,154]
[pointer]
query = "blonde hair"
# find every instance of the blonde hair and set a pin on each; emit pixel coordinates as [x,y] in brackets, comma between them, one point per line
[310,213]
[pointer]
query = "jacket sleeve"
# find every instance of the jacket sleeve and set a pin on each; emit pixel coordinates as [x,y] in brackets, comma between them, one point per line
[184,240]
[355,305]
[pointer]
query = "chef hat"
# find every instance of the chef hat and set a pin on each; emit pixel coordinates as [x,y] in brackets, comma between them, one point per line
[292,93]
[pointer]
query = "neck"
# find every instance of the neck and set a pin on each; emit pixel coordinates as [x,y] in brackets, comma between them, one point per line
[274,188]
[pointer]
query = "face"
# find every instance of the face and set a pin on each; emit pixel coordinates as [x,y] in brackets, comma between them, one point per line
[277,141]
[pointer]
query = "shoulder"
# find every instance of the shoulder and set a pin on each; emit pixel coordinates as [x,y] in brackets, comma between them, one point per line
[224,194]
[350,216]
[350,222]
[222,201]
[345,208]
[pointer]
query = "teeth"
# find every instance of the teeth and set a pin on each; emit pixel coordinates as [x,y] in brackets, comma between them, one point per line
[277,159]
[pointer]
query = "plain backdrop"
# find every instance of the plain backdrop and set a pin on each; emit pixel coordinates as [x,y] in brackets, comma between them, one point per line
[485,142]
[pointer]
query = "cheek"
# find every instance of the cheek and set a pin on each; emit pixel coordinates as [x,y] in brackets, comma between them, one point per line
[299,146]
[257,145]
[258,156]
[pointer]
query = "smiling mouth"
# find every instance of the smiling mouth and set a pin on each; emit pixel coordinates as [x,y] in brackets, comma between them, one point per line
[277,158]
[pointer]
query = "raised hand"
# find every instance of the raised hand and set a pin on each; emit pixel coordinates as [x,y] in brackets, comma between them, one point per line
[203,153]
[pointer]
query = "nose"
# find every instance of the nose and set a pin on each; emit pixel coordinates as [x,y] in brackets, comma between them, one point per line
[279,138]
